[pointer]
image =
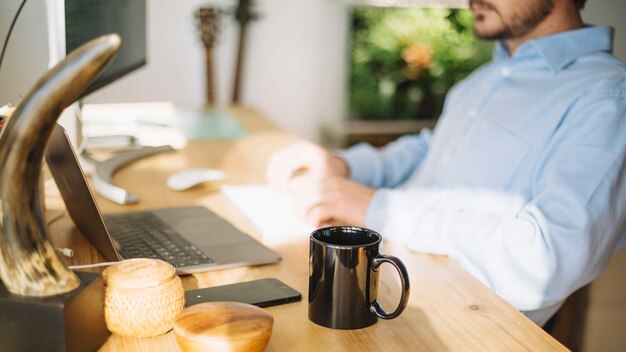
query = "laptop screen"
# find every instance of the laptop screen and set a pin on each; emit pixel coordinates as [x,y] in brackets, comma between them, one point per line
[76,193]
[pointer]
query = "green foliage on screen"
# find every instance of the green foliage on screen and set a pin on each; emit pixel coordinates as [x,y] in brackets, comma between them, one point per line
[403,61]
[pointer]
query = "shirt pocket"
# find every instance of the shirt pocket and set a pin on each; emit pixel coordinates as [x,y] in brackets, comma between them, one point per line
[490,156]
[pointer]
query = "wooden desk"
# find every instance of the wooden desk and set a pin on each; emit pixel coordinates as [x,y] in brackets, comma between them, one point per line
[448,309]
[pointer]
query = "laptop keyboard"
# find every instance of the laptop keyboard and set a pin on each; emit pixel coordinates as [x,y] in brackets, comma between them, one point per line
[144,235]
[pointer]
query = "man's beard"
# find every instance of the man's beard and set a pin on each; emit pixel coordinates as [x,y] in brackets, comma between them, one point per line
[519,24]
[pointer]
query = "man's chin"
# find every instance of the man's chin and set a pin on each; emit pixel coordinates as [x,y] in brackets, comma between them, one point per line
[488,33]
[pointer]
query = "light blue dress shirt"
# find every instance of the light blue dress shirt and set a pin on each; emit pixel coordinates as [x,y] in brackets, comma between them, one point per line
[523,180]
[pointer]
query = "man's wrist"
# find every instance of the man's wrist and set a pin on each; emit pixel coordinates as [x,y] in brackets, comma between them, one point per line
[340,167]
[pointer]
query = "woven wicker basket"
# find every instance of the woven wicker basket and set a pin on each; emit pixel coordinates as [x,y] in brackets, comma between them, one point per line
[143,297]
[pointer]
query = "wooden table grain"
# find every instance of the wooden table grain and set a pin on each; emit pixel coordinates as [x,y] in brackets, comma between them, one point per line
[448,309]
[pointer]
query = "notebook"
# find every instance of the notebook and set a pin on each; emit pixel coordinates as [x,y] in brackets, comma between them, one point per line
[272,212]
[193,239]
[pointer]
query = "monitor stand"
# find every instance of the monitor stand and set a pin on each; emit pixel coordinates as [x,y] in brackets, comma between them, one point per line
[102,178]
[102,171]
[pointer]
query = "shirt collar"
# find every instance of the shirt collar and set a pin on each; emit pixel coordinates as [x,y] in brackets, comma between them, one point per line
[561,49]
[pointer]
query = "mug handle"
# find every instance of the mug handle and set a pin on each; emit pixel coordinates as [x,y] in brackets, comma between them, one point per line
[376,308]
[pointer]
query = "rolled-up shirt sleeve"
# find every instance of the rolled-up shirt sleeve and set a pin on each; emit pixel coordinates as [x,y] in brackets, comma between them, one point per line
[387,166]
[532,252]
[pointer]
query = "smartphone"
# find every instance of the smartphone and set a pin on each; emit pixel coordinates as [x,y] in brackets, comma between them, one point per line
[261,293]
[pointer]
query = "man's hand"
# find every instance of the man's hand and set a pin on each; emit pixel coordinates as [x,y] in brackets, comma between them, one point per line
[303,157]
[332,199]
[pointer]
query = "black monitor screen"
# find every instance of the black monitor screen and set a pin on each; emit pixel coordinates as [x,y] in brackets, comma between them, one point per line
[89,19]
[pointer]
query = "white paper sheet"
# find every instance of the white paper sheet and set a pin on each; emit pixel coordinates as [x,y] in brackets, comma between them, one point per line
[270,211]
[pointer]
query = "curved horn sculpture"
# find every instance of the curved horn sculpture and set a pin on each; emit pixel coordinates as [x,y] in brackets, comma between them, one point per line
[28,263]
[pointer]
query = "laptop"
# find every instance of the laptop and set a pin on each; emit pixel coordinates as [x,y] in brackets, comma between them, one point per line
[193,239]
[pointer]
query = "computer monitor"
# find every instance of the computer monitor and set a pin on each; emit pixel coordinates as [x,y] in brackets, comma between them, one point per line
[75,22]
[72,23]
[89,19]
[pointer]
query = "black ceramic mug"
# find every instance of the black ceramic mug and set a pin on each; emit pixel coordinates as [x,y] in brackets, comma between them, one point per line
[344,263]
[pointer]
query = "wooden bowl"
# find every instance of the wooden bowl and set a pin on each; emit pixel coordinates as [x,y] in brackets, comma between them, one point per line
[223,326]
[142,298]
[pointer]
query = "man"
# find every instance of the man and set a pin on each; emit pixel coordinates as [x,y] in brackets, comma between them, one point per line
[522,182]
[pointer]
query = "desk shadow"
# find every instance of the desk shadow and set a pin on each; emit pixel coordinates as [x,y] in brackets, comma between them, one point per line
[190,282]
[166,342]
[423,335]
[412,331]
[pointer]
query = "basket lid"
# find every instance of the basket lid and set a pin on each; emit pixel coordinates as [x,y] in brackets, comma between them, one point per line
[138,273]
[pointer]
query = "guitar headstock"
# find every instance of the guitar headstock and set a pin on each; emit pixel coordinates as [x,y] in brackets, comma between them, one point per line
[208,22]
[245,13]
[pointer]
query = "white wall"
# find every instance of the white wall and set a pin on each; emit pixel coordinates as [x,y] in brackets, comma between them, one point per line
[295,69]
[26,57]
[613,13]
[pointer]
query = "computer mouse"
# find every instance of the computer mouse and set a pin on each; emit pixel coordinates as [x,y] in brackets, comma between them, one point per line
[188,178]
